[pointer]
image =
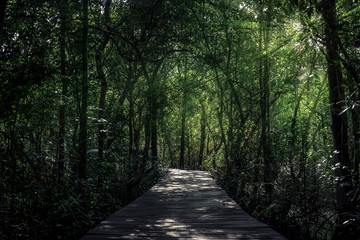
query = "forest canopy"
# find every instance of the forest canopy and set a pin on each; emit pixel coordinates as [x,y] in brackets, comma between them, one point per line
[99,97]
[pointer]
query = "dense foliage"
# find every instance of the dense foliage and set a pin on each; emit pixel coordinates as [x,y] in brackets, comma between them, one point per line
[98,97]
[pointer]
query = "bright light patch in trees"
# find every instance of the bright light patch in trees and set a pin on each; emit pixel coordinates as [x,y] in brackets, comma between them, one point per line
[242,5]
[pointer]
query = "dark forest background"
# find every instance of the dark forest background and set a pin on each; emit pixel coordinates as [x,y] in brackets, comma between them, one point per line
[98,98]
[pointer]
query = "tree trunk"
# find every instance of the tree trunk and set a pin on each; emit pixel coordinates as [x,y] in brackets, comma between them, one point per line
[183,81]
[151,113]
[63,11]
[189,162]
[137,131]
[84,95]
[339,121]
[131,128]
[182,136]
[349,64]
[293,137]
[153,127]
[3,4]
[222,131]
[147,126]
[265,108]
[171,152]
[103,82]
[230,132]
[356,132]
[202,135]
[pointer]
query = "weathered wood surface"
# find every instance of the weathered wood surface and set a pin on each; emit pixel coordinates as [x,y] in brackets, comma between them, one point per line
[183,205]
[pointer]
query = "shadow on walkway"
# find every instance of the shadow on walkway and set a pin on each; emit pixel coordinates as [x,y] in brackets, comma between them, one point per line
[184,205]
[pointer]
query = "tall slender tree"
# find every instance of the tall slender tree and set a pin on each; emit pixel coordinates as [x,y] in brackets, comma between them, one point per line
[339,119]
[202,135]
[183,79]
[102,78]
[84,94]
[63,13]
[264,74]
[3,4]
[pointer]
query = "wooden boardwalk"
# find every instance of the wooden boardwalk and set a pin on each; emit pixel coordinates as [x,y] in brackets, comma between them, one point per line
[183,205]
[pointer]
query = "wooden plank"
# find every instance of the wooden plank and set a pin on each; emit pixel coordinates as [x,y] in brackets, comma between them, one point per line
[183,205]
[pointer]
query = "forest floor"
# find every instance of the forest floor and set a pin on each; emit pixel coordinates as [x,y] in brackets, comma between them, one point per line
[183,205]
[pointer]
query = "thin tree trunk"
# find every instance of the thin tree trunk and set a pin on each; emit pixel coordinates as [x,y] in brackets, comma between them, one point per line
[171,152]
[3,4]
[182,140]
[258,160]
[147,132]
[292,142]
[222,131]
[73,154]
[220,114]
[131,128]
[103,82]
[153,127]
[147,139]
[230,131]
[293,137]
[63,11]
[265,107]
[84,95]
[183,116]
[267,146]
[202,135]
[349,65]
[151,113]
[356,132]
[305,133]
[189,163]
[257,172]
[137,131]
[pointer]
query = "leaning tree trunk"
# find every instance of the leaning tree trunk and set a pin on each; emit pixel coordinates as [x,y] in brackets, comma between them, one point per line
[84,95]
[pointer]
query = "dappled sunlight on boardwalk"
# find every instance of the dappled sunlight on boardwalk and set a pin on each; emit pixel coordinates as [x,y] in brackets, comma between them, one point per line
[183,205]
